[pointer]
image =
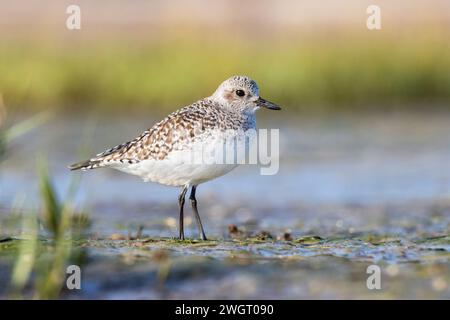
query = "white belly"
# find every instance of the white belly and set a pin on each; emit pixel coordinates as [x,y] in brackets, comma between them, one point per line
[177,174]
[199,163]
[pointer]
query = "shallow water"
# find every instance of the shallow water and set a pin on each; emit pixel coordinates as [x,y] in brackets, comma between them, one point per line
[371,190]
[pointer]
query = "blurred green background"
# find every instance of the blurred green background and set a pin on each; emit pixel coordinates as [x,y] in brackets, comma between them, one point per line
[137,55]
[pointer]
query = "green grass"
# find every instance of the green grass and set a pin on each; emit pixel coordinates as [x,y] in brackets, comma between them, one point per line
[41,259]
[315,76]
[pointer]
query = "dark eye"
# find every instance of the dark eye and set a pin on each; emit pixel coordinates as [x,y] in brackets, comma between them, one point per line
[240,93]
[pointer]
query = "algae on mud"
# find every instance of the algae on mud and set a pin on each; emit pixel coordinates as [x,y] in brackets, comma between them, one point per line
[334,268]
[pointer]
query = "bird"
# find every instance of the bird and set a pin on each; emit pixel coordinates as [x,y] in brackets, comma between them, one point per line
[162,153]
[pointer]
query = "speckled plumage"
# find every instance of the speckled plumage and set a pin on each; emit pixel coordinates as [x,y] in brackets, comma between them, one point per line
[180,129]
[176,132]
[163,153]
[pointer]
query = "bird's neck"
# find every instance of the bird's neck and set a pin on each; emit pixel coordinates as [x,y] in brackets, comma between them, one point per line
[240,113]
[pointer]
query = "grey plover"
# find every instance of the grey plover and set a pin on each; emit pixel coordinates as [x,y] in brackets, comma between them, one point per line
[163,153]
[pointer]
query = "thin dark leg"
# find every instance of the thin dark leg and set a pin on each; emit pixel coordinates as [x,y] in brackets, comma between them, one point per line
[181,205]
[197,216]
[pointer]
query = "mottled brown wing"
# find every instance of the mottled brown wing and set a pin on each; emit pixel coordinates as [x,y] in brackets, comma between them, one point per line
[172,133]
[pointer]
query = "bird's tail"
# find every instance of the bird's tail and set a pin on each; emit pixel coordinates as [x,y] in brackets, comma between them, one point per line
[86,165]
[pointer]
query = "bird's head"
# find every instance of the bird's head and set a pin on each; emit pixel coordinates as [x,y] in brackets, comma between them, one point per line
[242,93]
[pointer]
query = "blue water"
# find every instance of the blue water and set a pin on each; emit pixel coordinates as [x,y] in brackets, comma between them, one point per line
[362,160]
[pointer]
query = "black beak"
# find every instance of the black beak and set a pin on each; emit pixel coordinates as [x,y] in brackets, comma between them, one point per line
[267,104]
